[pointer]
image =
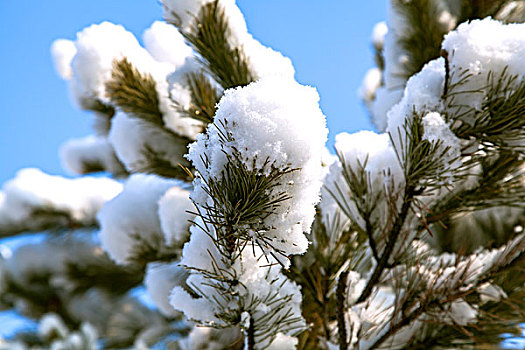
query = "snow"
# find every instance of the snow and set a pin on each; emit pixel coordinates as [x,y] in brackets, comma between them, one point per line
[133,141]
[422,94]
[131,218]
[262,61]
[51,325]
[376,155]
[436,129]
[166,44]
[210,338]
[176,214]
[369,86]
[277,123]
[480,47]
[32,191]
[63,52]
[378,35]
[384,100]
[160,279]
[258,276]
[76,154]
[99,46]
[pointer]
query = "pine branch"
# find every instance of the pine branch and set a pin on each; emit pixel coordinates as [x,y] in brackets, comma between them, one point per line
[341,308]
[98,107]
[422,39]
[204,97]
[156,163]
[383,262]
[134,93]
[151,248]
[45,219]
[501,120]
[209,37]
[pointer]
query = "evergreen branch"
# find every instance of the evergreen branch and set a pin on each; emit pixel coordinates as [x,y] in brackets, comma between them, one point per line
[478,9]
[156,163]
[341,306]
[99,271]
[134,93]
[45,219]
[97,106]
[251,335]
[151,248]
[501,119]
[501,183]
[422,38]
[209,37]
[383,262]
[204,97]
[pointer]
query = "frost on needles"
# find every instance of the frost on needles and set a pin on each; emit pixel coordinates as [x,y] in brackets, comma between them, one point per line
[223,205]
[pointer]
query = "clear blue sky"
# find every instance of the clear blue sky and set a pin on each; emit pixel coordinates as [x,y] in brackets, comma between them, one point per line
[328,42]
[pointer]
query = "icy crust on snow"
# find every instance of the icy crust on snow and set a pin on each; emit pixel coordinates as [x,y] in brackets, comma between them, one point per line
[133,141]
[160,279]
[132,217]
[480,47]
[273,123]
[263,61]
[258,276]
[32,192]
[176,212]
[99,46]
[78,154]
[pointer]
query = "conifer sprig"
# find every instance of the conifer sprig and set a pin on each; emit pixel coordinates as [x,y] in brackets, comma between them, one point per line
[204,97]
[209,37]
[134,93]
[424,33]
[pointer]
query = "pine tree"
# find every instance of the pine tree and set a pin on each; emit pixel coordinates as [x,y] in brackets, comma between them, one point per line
[222,199]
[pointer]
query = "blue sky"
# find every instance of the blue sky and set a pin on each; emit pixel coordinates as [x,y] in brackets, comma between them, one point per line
[328,42]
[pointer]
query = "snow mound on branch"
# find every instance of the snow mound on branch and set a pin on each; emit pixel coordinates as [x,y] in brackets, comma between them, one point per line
[175,214]
[33,191]
[160,279]
[166,44]
[484,46]
[63,52]
[375,154]
[99,46]
[134,142]
[76,154]
[422,94]
[274,123]
[131,218]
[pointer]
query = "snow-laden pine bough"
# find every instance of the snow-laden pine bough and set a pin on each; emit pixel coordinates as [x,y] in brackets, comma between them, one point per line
[246,232]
